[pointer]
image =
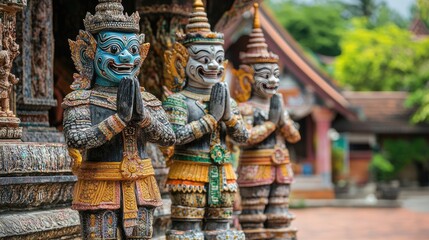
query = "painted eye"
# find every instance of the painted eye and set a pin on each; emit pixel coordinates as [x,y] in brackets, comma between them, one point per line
[113,49]
[266,76]
[206,60]
[219,60]
[134,49]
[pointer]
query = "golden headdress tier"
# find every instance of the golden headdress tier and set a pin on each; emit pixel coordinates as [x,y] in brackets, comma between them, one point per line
[257,49]
[109,15]
[198,28]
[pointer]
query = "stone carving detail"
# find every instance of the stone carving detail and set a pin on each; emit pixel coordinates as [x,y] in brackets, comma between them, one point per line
[72,232]
[50,224]
[36,38]
[9,50]
[25,196]
[7,55]
[14,3]
[34,93]
[33,158]
[41,63]
[169,20]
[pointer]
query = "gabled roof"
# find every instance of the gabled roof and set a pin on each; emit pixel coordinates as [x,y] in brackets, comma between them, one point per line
[419,28]
[384,112]
[293,57]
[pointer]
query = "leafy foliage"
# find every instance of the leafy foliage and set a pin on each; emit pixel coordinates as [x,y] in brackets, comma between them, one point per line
[423,10]
[396,155]
[379,59]
[317,27]
[377,13]
[375,50]
[419,97]
[381,167]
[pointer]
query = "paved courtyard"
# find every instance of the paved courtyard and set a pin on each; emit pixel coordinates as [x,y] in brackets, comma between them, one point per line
[362,223]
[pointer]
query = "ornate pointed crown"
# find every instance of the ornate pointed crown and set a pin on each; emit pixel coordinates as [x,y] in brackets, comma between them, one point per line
[198,28]
[109,16]
[257,49]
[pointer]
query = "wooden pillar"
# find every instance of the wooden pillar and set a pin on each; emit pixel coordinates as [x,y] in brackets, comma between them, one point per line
[323,117]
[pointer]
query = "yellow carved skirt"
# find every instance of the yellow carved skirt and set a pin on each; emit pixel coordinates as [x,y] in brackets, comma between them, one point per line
[193,176]
[102,185]
[264,167]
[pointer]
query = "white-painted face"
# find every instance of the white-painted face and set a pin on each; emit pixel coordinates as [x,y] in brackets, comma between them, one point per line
[266,79]
[204,67]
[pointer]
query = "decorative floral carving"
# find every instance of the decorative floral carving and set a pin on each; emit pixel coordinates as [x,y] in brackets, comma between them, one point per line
[34,225]
[8,52]
[83,51]
[175,62]
[242,83]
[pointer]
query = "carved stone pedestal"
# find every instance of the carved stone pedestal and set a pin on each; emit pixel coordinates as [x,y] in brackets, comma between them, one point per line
[36,183]
[53,224]
[9,128]
[34,180]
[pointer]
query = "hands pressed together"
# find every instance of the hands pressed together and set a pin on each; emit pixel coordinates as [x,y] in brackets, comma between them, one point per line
[220,102]
[276,112]
[130,107]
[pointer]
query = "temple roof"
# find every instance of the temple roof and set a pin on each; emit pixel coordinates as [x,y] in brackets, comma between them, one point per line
[384,112]
[419,28]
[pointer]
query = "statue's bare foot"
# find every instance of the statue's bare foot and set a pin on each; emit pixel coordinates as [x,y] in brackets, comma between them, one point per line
[3,114]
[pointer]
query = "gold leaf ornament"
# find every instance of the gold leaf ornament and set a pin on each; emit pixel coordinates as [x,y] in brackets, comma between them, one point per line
[83,52]
[175,62]
[241,83]
[77,159]
[144,50]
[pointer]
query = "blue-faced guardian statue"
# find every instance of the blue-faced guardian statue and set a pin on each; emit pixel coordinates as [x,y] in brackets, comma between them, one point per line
[108,119]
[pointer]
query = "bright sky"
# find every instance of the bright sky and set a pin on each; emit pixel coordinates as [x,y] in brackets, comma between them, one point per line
[402,6]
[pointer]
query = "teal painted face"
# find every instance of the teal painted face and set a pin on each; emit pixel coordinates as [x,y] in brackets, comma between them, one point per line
[117,56]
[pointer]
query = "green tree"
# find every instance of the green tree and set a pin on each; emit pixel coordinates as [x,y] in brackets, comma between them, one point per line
[317,26]
[380,59]
[362,8]
[423,10]
[396,155]
[419,97]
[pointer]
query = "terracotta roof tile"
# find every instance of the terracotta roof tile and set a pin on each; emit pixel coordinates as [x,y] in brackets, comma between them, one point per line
[384,112]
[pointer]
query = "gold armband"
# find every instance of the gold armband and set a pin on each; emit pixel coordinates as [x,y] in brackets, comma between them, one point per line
[209,119]
[77,159]
[196,129]
[111,126]
[232,121]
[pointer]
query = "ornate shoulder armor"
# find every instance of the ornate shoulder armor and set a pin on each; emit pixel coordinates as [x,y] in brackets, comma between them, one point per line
[150,100]
[176,109]
[246,109]
[76,98]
